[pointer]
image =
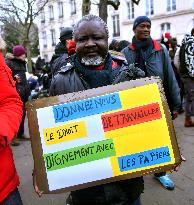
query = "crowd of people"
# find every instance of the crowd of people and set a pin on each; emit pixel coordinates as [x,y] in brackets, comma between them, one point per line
[83,59]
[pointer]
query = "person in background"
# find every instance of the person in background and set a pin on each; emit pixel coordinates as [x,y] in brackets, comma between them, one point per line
[63,49]
[153,59]
[39,64]
[122,44]
[118,45]
[10,118]
[187,76]
[18,66]
[114,45]
[171,45]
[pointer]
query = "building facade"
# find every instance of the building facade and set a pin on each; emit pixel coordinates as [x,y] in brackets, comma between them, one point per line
[174,16]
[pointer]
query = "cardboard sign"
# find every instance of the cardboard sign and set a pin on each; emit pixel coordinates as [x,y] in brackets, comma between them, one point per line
[102,135]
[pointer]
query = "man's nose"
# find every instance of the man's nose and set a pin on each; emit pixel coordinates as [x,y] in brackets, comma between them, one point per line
[90,42]
[146,28]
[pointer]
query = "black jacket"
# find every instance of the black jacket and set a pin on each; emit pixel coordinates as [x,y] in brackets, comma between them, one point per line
[18,67]
[118,193]
[68,80]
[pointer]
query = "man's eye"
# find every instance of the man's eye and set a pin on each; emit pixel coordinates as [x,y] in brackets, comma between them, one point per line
[81,39]
[97,37]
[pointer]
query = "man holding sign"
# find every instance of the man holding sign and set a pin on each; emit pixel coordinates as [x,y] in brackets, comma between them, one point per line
[91,67]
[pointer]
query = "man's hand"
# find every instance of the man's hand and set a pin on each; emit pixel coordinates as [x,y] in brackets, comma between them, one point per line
[35,184]
[174,115]
[176,168]
[18,78]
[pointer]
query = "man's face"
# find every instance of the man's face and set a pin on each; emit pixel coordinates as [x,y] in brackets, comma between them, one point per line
[142,31]
[91,43]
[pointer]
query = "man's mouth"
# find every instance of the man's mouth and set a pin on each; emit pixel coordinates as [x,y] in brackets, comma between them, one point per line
[91,53]
[146,34]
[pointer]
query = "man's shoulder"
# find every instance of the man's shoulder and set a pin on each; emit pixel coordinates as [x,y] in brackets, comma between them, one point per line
[64,69]
[118,57]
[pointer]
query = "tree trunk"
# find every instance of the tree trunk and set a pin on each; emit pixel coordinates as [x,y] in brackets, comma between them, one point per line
[86,5]
[29,57]
[103,13]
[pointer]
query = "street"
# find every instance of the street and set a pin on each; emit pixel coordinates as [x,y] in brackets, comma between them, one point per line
[154,193]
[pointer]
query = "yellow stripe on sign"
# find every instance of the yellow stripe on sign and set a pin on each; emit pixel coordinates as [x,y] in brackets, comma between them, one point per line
[139,96]
[64,133]
[138,138]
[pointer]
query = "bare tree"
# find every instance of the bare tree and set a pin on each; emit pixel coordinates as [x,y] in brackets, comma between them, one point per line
[102,4]
[103,7]
[24,12]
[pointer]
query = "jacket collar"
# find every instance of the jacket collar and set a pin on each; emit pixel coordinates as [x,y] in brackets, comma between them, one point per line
[157,46]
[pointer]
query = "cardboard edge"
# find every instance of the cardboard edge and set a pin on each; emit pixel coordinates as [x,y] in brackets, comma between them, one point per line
[50,101]
[170,124]
[36,146]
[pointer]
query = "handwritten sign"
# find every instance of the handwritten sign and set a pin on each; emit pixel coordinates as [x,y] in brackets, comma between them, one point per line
[121,132]
[144,159]
[79,155]
[87,107]
[65,132]
[132,116]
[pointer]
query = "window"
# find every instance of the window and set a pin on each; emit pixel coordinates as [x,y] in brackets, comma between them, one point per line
[42,16]
[60,29]
[73,7]
[165,27]
[44,39]
[116,25]
[60,7]
[149,7]
[51,13]
[53,37]
[130,6]
[171,5]
[46,58]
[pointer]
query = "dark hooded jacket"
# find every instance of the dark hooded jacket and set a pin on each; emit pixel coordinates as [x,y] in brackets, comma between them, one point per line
[72,78]
[18,67]
[158,63]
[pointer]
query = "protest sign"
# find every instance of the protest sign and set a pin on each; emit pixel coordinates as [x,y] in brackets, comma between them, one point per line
[101,135]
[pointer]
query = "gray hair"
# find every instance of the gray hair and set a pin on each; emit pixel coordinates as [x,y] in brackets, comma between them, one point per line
[90,17]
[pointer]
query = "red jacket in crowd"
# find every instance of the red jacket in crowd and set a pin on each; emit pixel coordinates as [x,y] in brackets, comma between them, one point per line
[10,118]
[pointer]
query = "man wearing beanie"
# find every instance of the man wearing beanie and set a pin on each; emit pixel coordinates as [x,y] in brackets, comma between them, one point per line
[153,59]
[18,67]
[63,49]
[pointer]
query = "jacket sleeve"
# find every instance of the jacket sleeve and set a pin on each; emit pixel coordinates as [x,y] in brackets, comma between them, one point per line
[177,59]
[171,87]
[52,88]
[10,106]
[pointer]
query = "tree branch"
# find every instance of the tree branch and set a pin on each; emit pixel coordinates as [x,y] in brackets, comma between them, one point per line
[40,8]
[136,1]
[114,4]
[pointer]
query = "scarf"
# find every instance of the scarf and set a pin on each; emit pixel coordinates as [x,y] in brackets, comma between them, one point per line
[143,50]
[92,75]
